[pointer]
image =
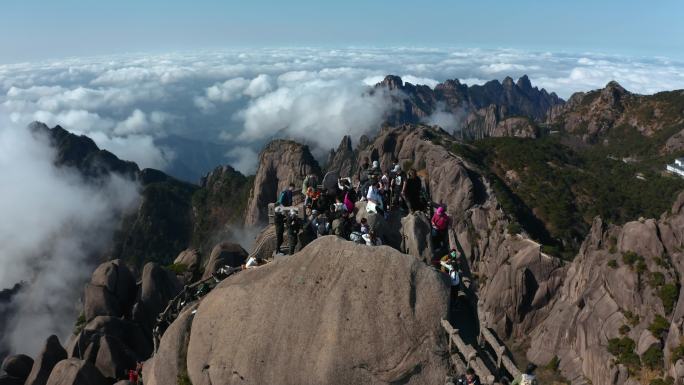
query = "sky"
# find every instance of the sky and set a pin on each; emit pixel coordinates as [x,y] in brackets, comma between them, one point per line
[41,29]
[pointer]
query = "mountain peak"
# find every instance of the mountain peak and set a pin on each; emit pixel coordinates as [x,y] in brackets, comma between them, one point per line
[392,82]
[524,83]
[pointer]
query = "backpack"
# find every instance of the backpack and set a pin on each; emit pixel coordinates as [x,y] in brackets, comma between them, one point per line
[282,198]
[528,379]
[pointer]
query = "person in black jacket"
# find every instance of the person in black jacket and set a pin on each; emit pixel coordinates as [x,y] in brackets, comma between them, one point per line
[412,190]
[294,224]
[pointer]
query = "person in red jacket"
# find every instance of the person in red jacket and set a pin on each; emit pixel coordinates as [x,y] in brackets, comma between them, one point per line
[440,225]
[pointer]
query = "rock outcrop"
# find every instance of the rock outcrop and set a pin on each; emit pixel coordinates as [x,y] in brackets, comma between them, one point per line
[281,162]
[341,293]
[416,236]
[111,291]
[343,160]
[73,371]
[45,361]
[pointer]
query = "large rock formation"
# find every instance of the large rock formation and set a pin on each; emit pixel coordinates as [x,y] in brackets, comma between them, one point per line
[363,315]
[111,291]
[281,162]
[476,111]
[52,353]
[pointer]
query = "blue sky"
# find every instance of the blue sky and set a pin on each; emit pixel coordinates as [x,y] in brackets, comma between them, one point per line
[40,29]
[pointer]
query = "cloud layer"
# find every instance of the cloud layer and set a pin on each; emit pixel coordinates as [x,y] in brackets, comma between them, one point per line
[242,98]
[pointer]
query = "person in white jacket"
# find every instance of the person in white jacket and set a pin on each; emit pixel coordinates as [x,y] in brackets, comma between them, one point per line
[372,239]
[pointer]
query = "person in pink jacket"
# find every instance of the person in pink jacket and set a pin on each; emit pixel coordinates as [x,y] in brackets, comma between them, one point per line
[440,225]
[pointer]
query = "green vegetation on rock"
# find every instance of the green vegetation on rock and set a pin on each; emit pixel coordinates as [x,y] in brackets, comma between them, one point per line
[669,293]
[653,358]
[623,351]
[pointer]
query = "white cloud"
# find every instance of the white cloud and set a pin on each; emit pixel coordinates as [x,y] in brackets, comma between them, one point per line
[259,86]
[243,159]
[316,111]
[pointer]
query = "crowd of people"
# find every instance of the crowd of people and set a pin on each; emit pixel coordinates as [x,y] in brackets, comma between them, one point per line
[331,210]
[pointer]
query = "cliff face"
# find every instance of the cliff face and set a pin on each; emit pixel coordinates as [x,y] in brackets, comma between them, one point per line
[624,280]
[475,112]
[281,162]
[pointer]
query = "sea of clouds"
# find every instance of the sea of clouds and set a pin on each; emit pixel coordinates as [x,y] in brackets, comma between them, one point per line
[238,99]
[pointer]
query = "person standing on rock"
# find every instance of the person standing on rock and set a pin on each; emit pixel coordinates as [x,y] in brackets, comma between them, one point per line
[372,239]
[374,196]
[294,224]
[412,190]
[279,221]
[440,225]
[398,179]
[285,198]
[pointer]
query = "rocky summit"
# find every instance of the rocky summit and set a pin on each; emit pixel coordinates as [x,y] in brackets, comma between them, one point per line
[565,230]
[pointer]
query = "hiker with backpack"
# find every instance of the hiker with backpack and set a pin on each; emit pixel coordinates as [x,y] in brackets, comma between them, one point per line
[285,198]
[527,378]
